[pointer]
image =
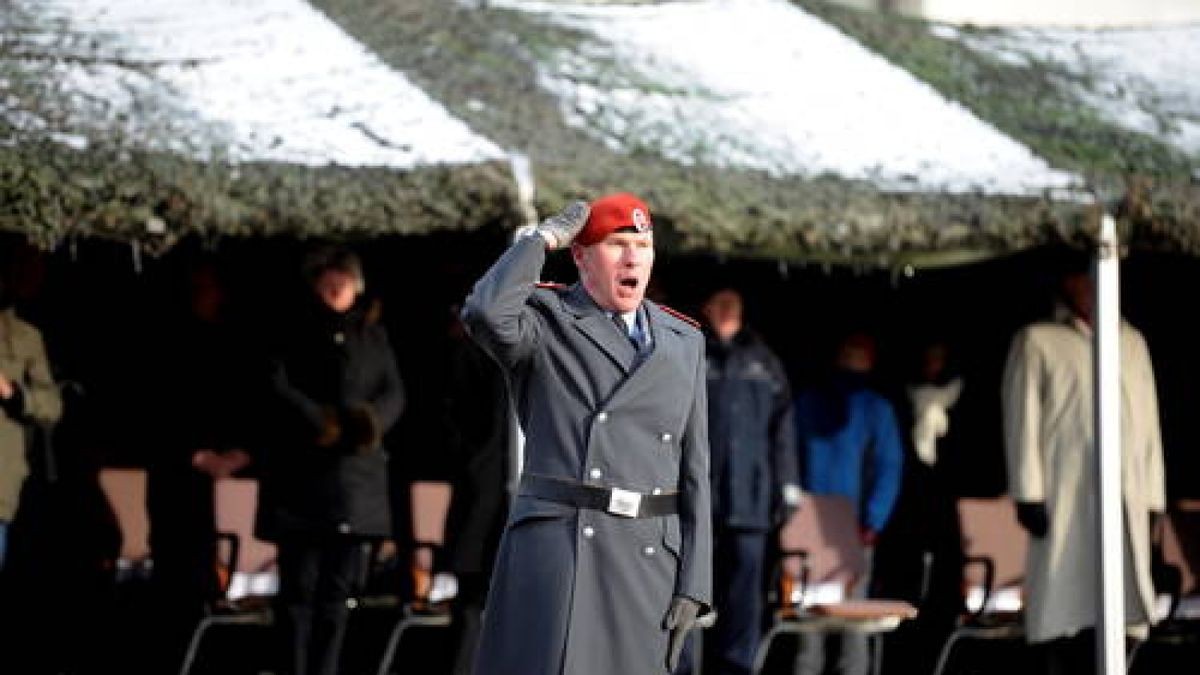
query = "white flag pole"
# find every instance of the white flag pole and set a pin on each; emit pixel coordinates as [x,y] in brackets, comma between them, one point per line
[1110,626]
[522,171]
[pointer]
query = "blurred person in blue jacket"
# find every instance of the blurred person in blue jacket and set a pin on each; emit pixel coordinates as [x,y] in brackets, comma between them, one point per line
[849,445]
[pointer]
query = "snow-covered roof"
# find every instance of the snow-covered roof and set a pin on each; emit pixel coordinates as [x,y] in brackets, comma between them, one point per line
[1144,80]
[241,81]
[763,85]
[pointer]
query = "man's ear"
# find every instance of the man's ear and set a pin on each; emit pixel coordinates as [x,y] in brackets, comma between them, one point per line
[577,254]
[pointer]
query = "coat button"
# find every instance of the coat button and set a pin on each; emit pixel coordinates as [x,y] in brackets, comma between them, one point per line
[595,474]
[589,532]
[602,417]
[344,528]
[666,438]
[339,337]
[649,550]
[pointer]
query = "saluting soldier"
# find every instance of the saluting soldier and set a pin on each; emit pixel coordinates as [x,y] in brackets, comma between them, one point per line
[606,560]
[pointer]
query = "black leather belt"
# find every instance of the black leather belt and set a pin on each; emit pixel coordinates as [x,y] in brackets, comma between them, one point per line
[610,500]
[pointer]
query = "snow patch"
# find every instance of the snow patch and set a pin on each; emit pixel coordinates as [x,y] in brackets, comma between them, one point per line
[763,85]
[1144,80]
[242,80]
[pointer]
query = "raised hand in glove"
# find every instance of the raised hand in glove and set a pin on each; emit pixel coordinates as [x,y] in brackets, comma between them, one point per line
[560,229]
[680,619]
[1032,516]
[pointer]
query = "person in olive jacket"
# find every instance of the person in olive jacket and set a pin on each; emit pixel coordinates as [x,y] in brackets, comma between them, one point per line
[324,477]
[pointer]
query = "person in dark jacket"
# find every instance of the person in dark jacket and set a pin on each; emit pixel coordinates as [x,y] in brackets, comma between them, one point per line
[200,395]
[755,480]
[324,478]
[481,427]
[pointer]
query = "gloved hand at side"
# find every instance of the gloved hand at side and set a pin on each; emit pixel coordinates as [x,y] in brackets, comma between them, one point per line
[680,619]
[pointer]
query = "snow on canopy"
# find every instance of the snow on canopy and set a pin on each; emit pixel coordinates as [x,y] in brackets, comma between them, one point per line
[1145,80]
[268,80]
[762,84]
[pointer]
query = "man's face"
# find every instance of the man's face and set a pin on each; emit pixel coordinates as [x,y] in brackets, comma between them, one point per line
[337,289]
[1080,294]
[856,354]
[615,271]
[724,312]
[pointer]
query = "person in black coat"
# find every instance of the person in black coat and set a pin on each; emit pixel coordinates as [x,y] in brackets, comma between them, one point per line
[199,395]
[755,481]
[481,426]
[324,476]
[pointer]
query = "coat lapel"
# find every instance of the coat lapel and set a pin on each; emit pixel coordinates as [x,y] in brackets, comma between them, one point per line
[597,326]
[665,343]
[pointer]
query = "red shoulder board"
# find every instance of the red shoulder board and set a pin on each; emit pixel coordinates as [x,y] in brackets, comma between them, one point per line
[681,316]
[550,285]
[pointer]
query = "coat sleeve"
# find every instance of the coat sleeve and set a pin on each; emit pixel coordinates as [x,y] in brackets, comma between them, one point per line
[1156,498]
[1022,408]
[41,400]
[785,465]
[695,509]
[294,402]
[887,466]
[389,397]
[497,313]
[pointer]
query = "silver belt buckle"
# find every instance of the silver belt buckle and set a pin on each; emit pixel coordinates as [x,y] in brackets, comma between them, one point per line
[624,502]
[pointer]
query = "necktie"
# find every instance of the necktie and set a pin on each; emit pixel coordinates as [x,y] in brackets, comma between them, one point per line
[632,335]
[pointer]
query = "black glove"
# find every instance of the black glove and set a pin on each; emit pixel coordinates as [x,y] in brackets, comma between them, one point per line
[1155,519]
[14,406]
[680,620]
[1032,516]
[360,428]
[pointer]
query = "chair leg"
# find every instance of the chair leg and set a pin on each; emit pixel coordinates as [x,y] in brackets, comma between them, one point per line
[389,651]
[876,653]
[764,648]
[944,656]
[193,649]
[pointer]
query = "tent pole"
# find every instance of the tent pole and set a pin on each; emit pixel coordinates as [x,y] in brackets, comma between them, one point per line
[522,172]
[1110,625]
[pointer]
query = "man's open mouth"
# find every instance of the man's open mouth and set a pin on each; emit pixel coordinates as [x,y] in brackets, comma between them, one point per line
[629,282]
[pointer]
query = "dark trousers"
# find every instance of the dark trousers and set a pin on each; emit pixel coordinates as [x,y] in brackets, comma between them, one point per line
[738,596]
[468,620]
[316,578]
[183,544]
[1075,655]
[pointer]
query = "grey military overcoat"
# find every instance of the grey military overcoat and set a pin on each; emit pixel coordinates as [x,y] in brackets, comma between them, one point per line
[580,591]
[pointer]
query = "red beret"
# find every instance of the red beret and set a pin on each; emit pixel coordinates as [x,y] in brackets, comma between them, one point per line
[611,213]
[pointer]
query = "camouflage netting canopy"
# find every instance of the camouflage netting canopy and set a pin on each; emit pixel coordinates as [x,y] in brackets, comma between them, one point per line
[1033,148]
[139,124]
[530,75]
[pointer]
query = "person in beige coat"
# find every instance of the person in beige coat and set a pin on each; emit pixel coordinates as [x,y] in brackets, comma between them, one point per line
[27,395]
[1051,452]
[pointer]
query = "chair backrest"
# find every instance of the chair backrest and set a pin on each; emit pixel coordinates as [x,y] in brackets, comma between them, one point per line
[235,501]
[430,506]
[990,530]
[125,490]
[825,527]
[1181,542]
